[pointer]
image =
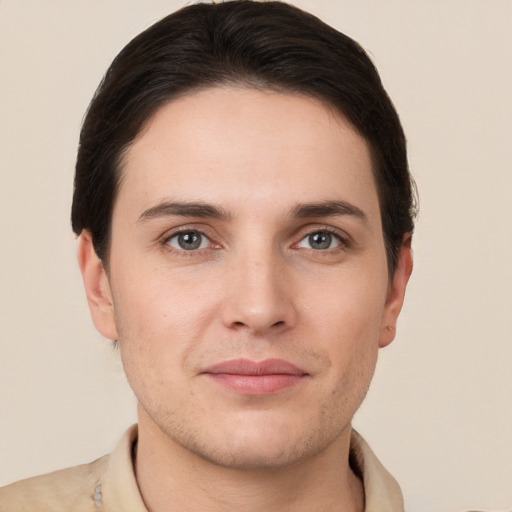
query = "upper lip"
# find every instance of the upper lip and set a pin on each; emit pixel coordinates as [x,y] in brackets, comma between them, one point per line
[248,367]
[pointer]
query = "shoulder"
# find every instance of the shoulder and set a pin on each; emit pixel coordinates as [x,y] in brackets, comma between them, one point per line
[70,489]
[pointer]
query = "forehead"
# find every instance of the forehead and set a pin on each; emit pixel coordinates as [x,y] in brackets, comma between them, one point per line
[236,145]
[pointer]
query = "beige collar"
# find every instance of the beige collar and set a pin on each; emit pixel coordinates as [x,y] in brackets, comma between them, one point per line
[382,492]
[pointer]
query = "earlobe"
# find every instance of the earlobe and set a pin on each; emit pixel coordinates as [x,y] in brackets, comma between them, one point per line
[97,287]
[396,293]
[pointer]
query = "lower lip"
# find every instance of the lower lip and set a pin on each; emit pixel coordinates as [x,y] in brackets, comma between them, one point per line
[256,384]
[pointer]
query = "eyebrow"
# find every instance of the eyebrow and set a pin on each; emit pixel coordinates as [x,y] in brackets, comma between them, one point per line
[185,209]
[209,211]
[328,209]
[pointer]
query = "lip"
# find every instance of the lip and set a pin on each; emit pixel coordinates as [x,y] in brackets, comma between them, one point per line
[256,377]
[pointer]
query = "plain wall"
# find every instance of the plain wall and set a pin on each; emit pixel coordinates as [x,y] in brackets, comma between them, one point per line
[439,411]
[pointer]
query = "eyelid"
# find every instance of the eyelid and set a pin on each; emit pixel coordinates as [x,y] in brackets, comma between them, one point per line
[187,228]
[342,236]
[345,239]
[203,240]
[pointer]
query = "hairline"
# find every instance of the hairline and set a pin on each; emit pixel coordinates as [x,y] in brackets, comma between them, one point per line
[239,83]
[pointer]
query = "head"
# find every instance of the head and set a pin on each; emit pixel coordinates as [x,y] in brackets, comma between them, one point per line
[244,210]
[270,45]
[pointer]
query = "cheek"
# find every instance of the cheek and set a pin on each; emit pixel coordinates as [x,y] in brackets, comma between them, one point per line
[160,299]
[159,319]
[349,305]
[345,321]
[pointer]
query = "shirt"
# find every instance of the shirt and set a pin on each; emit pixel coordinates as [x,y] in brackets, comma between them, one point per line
[109,485]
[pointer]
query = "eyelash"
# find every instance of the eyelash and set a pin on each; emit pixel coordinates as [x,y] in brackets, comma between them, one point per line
[191,252]
[344,241]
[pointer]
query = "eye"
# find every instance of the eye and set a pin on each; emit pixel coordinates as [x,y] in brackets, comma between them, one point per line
[188,241]
[320,241]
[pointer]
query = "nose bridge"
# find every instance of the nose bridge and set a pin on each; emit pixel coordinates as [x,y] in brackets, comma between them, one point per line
[259,295]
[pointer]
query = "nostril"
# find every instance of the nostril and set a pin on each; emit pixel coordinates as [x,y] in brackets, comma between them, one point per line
[281,322]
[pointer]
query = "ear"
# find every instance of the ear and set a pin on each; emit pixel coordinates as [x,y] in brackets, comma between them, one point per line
[396,293]
[97,287]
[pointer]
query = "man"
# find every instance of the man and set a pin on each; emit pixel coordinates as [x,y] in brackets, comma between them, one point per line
[244,215]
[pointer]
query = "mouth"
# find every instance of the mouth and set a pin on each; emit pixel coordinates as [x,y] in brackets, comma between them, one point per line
[248,377]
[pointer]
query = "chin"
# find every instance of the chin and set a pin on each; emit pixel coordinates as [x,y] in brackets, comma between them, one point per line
[261,445]
[247,454]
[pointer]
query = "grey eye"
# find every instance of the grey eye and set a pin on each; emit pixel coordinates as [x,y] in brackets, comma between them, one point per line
[188,241]
[320,241]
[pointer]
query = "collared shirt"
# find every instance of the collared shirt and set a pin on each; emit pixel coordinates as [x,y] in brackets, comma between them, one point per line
[109,485]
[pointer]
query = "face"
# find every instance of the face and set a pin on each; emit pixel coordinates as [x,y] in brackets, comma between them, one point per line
[248,283]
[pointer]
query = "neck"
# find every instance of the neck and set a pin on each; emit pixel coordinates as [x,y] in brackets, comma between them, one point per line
[171,477]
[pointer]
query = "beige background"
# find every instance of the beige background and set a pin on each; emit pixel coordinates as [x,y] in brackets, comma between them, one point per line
[439,411]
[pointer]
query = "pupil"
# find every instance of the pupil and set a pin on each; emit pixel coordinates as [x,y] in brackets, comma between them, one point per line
[189,241]
[320,240]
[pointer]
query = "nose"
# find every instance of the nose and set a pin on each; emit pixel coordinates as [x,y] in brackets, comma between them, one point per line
[259,294]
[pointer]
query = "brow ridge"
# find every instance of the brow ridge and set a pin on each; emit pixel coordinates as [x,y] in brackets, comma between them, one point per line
[328,209]
[204,210]
[184,209]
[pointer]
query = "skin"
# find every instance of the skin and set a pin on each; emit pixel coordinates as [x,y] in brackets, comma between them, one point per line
[258,287]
